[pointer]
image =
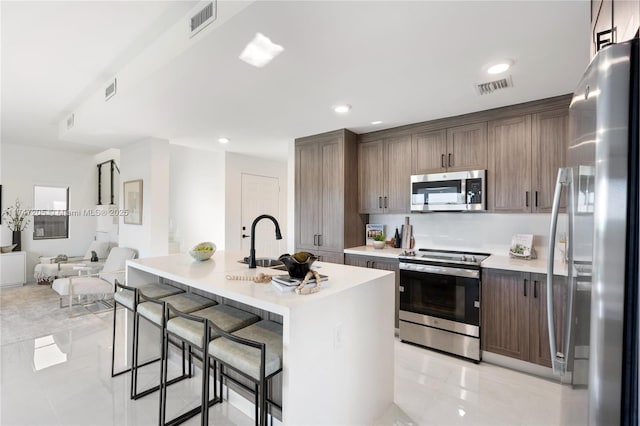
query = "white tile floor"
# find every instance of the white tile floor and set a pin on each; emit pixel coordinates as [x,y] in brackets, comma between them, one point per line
[64,379]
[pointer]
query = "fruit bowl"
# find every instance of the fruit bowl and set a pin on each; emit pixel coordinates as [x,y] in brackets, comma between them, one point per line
[203,251]
[8,249]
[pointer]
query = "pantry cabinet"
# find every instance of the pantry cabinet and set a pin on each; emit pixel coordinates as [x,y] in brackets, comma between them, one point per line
[326,215]
[387,264]
[449,150]
[525,153]
[384,175]
[514,314]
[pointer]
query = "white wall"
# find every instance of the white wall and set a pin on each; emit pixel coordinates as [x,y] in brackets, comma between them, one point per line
[22,167]
[237,164]
[196,196]
[483,232]
[147,160]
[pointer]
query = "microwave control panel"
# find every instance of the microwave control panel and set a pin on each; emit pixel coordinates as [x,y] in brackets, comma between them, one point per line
[474,191]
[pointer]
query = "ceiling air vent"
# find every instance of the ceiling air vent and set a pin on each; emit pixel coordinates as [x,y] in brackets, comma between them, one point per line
[204,17]
[492,86]
[110,90]
[71,121]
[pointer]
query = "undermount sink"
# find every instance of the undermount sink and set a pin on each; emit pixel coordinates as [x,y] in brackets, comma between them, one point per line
[266,262]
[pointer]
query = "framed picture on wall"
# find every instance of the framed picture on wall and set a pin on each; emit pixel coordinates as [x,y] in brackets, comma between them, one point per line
[132,196]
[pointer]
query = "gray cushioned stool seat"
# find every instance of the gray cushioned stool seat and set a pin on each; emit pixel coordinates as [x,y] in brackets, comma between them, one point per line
[153,290]
[246,358]
[225,317]
[184,302]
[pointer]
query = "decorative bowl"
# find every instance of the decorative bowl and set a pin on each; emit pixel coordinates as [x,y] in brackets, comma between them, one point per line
[7,249]
[298,264]
[203,251]
[379,244]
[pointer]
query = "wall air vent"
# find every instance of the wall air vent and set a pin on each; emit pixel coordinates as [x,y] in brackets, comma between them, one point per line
[492,86]
[71,121]
[204,17]
[110,90]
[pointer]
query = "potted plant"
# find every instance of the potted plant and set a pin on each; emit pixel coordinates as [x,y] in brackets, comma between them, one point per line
[378,241]
[17,219]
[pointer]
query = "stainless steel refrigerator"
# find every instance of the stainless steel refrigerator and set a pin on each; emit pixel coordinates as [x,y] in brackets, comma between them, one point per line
[594,342]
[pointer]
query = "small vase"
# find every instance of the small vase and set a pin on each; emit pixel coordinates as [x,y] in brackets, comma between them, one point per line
[17,240]
[378,244]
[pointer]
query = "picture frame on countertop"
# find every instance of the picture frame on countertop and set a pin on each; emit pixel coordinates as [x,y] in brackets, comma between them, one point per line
[371,231]
[132,196]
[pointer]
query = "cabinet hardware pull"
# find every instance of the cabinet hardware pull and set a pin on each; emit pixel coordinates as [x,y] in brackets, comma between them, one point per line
[526,198]
[536,199]
[319,240]
[368,263]
[315,239]
[379,202]
[372,264]
[245,236]
[525,288]
[450,158]
[442,161]
[385,202]
[535,289]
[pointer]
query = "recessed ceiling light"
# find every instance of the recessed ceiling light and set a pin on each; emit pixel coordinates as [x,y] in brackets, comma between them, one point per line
[223,140]
[342,109]
[260,51]
[376,122]
[500,67]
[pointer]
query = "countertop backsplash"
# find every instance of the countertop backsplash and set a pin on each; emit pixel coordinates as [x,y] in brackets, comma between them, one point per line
[481,232]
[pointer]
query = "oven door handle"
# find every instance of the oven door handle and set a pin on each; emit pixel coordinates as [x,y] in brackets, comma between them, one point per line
[440,270]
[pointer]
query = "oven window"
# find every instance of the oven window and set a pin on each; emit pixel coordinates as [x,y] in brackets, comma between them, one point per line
[441,296]
[440,192]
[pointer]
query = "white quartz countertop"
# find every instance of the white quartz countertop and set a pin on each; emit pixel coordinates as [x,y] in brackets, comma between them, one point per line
[492,262]
[210,276]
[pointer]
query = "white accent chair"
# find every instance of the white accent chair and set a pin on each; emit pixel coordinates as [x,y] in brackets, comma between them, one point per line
[102,283]
[50,268]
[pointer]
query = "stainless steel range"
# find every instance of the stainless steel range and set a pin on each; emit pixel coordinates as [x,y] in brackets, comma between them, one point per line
[440,300]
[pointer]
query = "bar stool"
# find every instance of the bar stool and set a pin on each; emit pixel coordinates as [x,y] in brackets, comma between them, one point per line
[196,330]
[127,297]
[255,352]
[154,311]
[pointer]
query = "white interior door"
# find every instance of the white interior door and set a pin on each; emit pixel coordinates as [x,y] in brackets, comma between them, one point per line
[260,195]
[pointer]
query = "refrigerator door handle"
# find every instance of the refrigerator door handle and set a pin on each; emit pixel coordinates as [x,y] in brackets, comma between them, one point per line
[558,361]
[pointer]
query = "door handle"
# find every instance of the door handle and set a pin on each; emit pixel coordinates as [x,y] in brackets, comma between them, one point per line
[450,159]
[525,287]
[385,202]
[442,161]
[379,202]
[245,236]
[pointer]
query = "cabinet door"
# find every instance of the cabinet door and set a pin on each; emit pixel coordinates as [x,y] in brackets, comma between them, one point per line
[539,331]
[509,173]
[307,195]
[397,182]
[549,143]
[467,147]
[428,152]
[356,260]
[505,312]
[331,229]
[330,257]
[394,266]
[370,182]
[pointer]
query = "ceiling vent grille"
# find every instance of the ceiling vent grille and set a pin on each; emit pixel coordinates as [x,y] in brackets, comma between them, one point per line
[110,90]
[71,121]
[492,86]
[204,17]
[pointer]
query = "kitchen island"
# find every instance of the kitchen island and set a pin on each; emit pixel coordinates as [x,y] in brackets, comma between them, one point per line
[337,343]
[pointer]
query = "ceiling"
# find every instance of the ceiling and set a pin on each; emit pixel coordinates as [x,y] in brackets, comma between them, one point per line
[399,62]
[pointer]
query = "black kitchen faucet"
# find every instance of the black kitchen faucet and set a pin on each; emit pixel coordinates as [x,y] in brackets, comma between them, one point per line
[252,252]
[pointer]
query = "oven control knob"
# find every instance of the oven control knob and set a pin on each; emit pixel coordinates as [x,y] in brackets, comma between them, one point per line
[463,258]
[473,259]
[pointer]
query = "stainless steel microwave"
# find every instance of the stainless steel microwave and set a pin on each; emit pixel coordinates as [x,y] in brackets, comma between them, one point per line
[455,191]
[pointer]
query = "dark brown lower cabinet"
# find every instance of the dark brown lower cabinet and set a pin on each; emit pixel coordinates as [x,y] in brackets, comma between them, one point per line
[330,256]
[514,314]
[384,263]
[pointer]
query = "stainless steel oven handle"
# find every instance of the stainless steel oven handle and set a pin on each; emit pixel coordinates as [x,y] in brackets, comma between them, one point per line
[441,270]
